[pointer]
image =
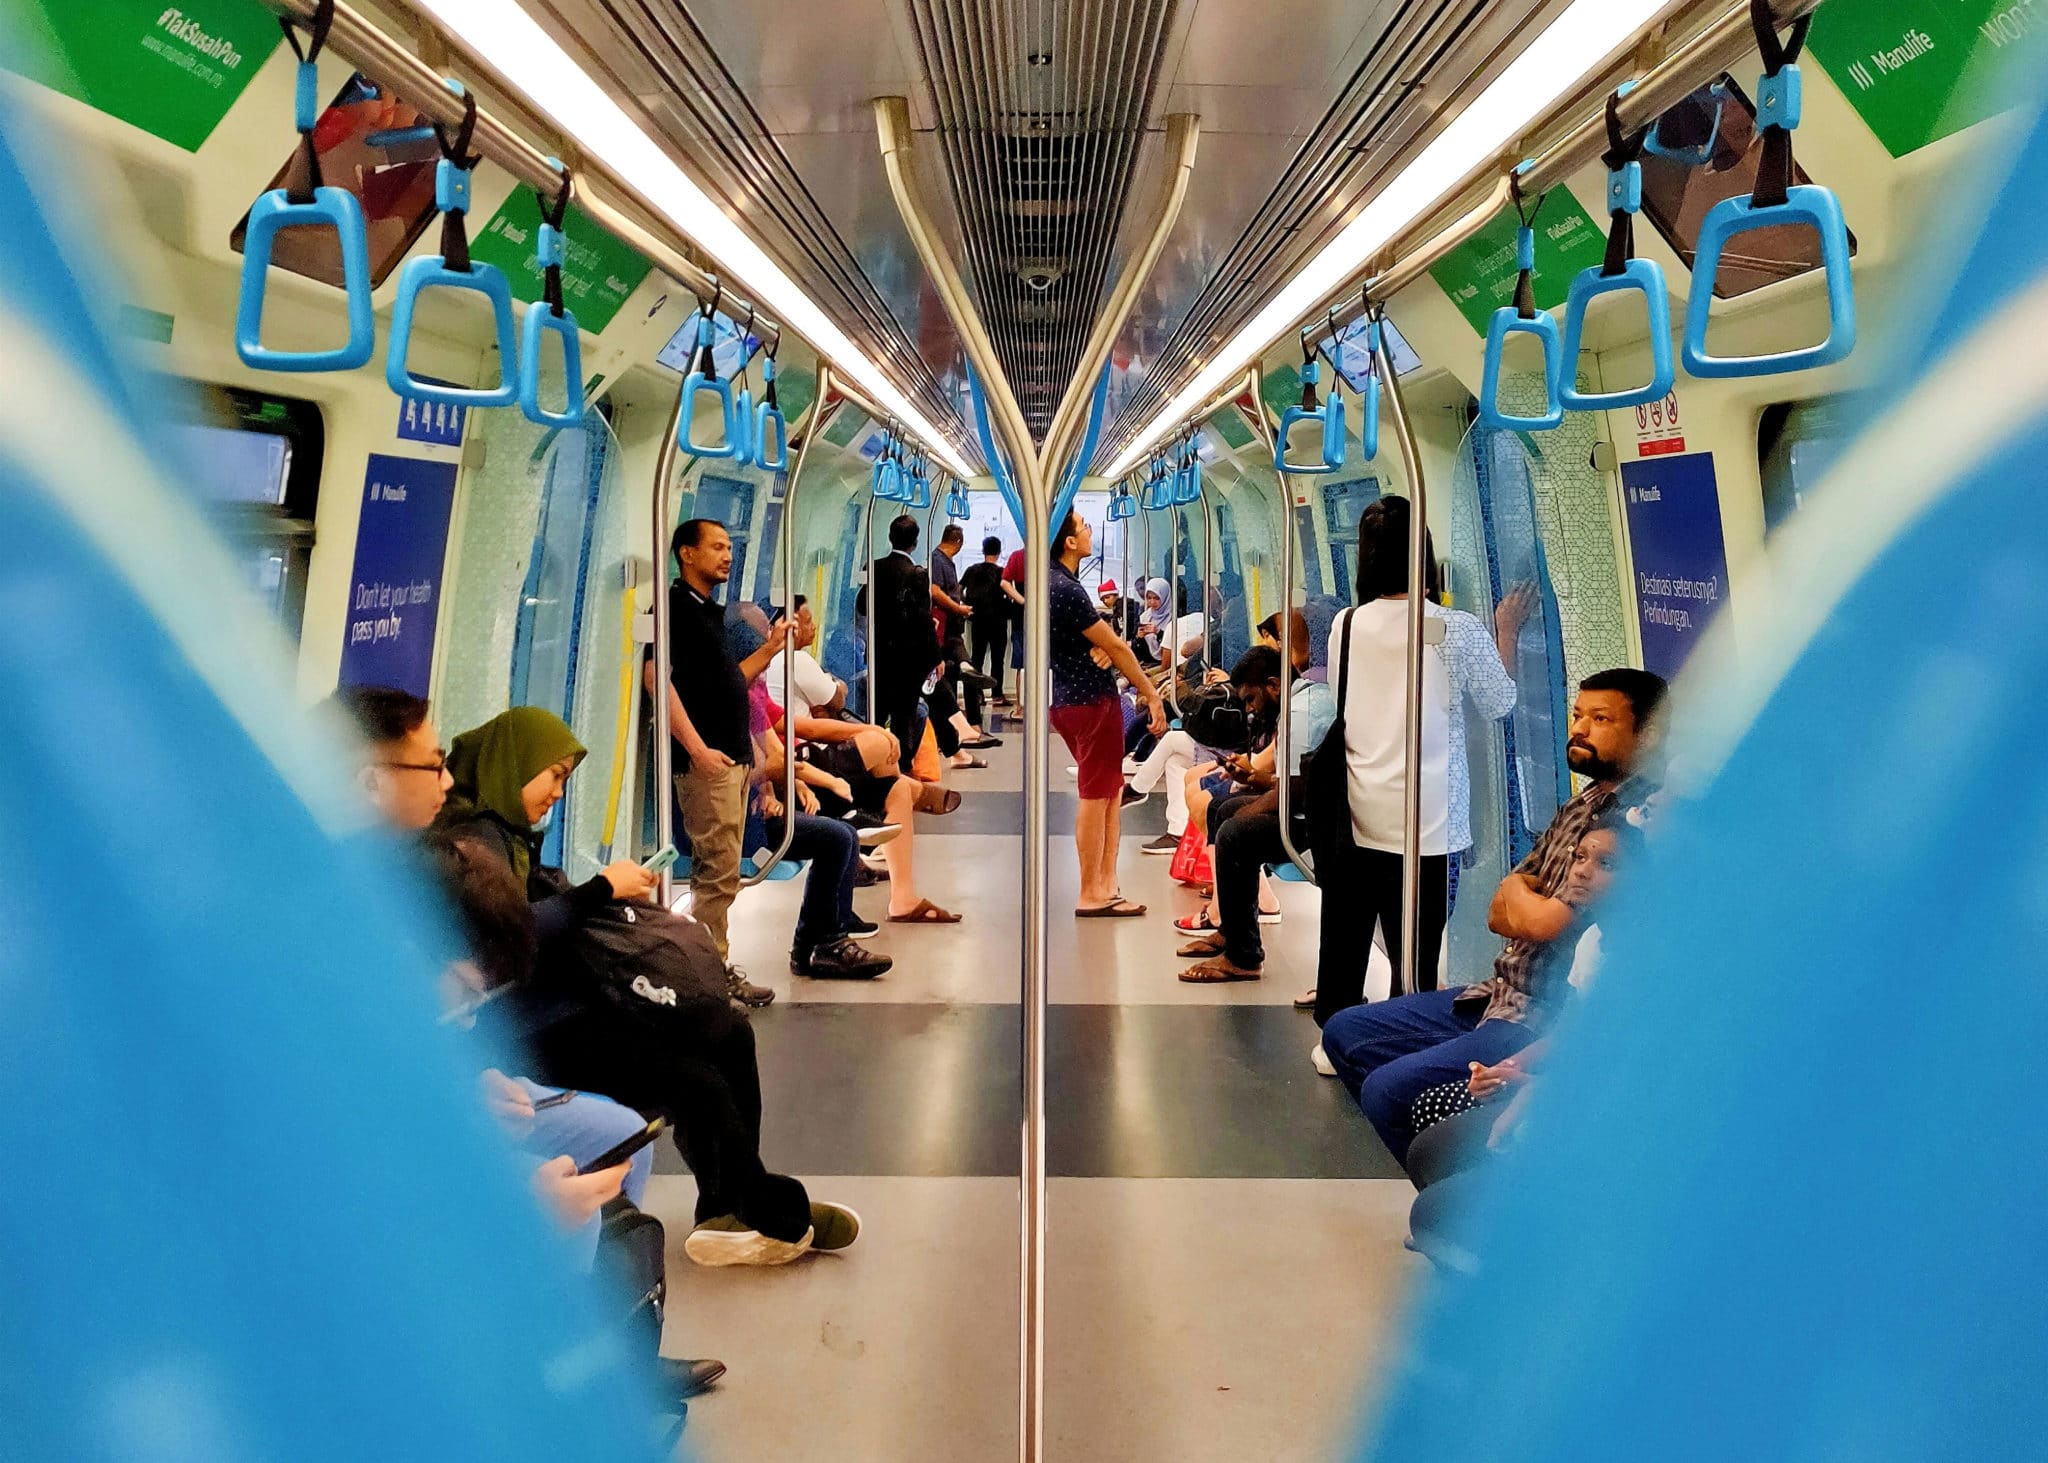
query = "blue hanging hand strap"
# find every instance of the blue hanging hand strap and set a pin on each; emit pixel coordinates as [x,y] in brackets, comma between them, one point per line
[702,377]
[1523,317]
[769,425]
[1621,271]
[550,249]
[306,202]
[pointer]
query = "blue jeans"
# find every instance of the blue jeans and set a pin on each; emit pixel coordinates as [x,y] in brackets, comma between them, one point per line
[1387,1052]
[833,848]
[583,1128]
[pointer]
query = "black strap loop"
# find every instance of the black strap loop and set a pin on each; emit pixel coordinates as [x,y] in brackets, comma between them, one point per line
[1525,280]
[707,360]
[455,223]
[305,174]
[1622,149]
[1308,385]
[1775,168]
[552,215]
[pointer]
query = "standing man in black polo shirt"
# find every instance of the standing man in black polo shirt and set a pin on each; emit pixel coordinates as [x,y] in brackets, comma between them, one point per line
[709,717]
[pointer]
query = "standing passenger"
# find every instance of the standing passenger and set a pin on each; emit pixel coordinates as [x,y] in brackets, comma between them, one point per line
[906,642]
[708,715]
[989,627]
[1089,717]
[1467,666]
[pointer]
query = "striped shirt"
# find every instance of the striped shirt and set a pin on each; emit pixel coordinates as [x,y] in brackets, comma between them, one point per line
[1512,992]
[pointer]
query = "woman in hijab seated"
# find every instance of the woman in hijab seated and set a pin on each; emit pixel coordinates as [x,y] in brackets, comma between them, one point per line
[629,1000]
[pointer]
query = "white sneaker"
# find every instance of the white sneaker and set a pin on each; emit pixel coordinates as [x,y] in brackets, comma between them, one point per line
[1072,770]
[1320,1062]
[727,1241]
[1130,766]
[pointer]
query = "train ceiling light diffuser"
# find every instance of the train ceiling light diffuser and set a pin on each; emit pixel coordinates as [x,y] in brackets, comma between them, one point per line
[513,44]
[1553,65]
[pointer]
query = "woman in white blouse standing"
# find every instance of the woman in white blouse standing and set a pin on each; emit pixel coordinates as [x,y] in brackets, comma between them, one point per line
[1466,661]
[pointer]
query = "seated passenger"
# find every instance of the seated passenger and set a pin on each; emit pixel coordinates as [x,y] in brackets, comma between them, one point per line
[1388,1052]
[1153,619]
[1247,826]
[823,947]
[682,1050]
[406,777]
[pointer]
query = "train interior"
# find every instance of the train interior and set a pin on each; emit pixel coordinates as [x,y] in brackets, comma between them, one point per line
[1222,1259]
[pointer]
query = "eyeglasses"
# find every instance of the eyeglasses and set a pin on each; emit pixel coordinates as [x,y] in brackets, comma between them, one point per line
[438,766]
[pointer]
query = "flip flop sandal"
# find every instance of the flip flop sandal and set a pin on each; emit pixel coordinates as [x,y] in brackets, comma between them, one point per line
[1216,972]
[972,764]
[1122,909]
[1201,949]
[926,913]
[935,799]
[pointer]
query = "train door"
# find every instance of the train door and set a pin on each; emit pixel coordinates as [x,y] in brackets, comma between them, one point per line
[548,639]
[1516,767]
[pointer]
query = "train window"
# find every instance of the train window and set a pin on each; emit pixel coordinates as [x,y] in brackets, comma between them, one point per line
[364,147]
[255,460]
[1796,443]
[725,345]
[1718,123]
[1349,352]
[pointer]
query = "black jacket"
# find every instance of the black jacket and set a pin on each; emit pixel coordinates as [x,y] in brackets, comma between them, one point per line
[906,640]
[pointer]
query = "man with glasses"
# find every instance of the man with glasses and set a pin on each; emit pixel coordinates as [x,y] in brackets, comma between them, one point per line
[405,774]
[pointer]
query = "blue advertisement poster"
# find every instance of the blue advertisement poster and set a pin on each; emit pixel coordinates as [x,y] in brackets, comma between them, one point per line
[394,594]
[1674,532]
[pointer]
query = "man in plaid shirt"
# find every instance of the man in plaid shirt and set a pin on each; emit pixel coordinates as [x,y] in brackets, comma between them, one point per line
[1387,1052]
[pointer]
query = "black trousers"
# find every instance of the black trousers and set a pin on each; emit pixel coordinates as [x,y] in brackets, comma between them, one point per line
[990,635]
[1245,841]
[898,712]
[698,1070]
[1363,891]
[966,688]
[940,706]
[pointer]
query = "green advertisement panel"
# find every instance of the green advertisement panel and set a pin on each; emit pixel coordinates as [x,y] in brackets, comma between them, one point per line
[173,71]
[597,275]
[1479,275]
[1917,70]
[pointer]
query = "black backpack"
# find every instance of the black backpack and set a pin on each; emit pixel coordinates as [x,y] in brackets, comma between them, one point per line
[642,960]
[1215,719]
[1326,780]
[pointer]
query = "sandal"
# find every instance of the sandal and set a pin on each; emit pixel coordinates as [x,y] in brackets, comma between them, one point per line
[1217,971]
[1202,948]
[925,913]
[937,800]
[1202,922]
[1121,909]
[972,764]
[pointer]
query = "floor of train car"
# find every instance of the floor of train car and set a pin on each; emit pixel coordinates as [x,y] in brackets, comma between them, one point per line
[1210,1195]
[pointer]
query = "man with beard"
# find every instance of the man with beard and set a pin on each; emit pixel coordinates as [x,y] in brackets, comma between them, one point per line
[1388,1051]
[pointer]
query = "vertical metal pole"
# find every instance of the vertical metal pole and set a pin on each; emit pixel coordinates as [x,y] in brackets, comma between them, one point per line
[1283,761]
[1418,576]
[786,551]
[664,745]
[867,584]
[1171,644]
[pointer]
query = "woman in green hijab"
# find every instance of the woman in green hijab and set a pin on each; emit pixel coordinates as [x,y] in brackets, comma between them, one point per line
[508,775]
[698,1068]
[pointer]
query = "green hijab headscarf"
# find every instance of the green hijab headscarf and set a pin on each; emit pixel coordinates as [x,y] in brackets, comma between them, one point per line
[492,764]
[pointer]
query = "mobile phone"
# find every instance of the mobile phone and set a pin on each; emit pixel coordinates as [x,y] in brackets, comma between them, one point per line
[618,1153]
[661,860]
[542,1104]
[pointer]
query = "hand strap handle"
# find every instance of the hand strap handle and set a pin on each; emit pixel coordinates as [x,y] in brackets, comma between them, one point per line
[305,174]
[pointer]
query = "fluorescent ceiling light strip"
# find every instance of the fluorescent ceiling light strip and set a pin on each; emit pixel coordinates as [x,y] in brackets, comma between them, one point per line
[514,44]
[1553,65]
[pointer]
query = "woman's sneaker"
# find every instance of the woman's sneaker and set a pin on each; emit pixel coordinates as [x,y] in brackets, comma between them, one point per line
[728,1241]
[1318,1059]
[1165,843]
[833,1226]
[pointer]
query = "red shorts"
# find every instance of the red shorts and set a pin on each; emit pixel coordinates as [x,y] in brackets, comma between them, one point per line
[1094,733]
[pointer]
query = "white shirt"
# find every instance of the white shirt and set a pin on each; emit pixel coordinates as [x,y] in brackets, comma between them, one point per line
[814,685]
[1375,722]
